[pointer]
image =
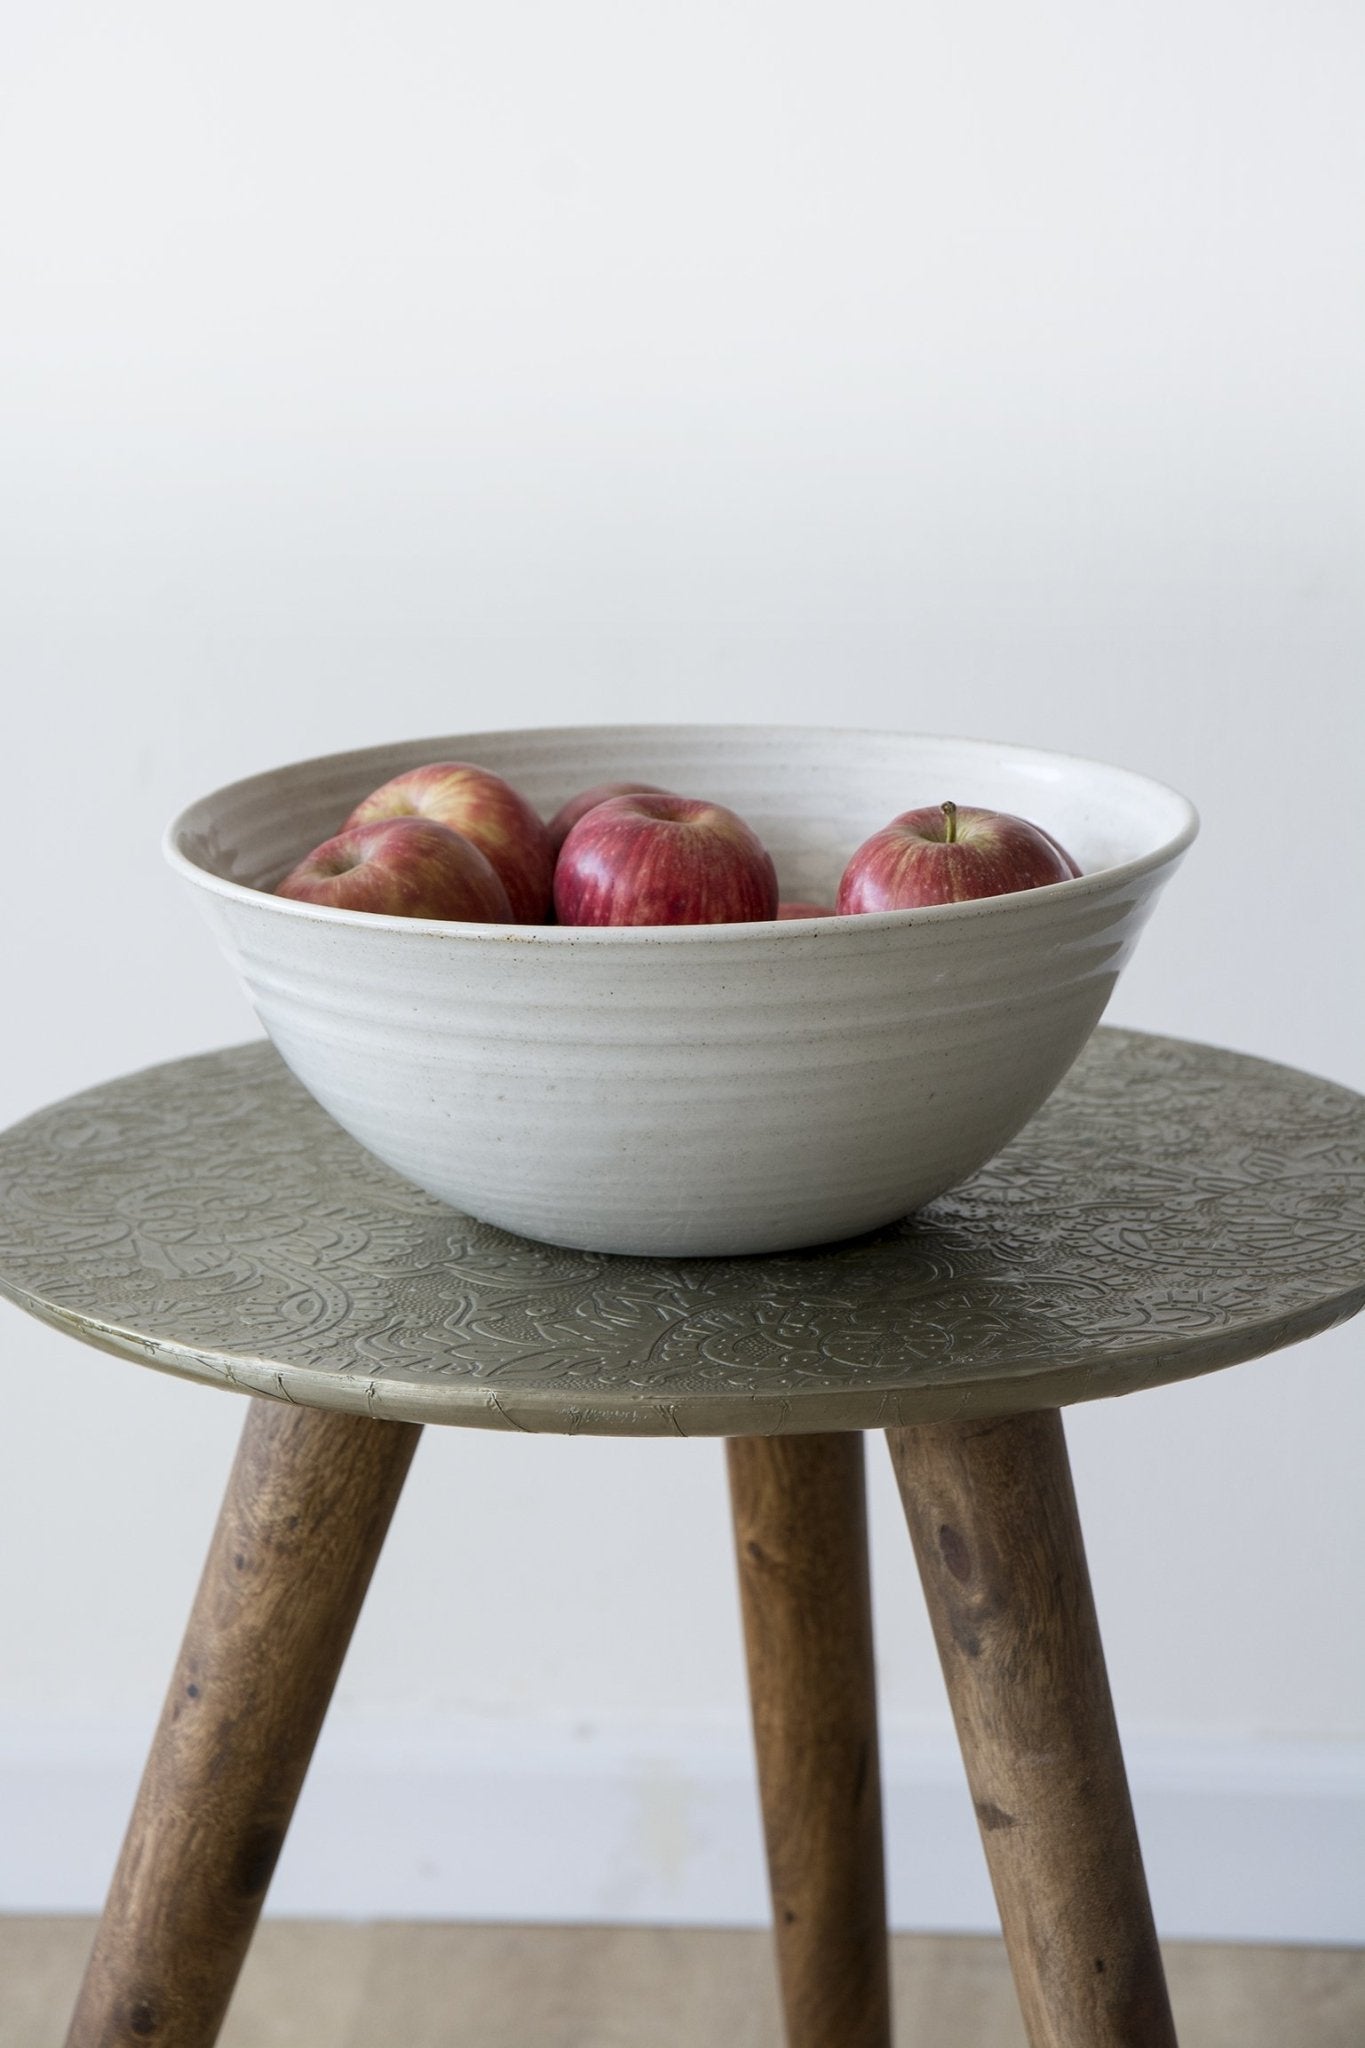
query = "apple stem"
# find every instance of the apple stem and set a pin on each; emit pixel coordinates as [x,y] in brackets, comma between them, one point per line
[950,822]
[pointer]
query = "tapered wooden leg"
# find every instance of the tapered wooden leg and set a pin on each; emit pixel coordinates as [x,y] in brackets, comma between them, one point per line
[306,1511]
[993,1518]
[801,1535]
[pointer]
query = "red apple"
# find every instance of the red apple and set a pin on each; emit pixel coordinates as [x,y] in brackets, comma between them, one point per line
[1073,866]
[663,860]
[568,815]
[786,910]
[947,854]
[401,867]
[501,823]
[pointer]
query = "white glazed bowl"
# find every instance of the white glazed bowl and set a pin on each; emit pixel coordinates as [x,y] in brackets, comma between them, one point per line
[693,1088]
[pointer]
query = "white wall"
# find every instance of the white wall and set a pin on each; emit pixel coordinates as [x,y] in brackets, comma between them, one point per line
[375,371]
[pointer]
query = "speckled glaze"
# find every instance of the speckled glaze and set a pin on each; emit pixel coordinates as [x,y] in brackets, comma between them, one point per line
[693,1090]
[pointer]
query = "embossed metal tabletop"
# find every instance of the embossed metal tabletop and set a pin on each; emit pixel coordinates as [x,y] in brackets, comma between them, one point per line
[1173,1209]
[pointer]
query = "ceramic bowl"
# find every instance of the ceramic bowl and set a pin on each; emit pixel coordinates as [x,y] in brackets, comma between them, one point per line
[693,1089]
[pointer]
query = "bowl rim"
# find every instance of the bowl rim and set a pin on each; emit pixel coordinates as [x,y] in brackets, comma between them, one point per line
[1092,883]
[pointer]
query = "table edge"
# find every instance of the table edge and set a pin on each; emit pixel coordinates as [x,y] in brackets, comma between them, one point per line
[1034,1384]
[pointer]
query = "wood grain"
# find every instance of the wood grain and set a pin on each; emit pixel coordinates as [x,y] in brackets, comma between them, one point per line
[307,1507]
[800,1521]
[992,1515]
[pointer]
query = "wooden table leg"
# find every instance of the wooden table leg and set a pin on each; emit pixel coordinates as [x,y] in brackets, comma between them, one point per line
[992,1515]
[306,1511]
[801,1536]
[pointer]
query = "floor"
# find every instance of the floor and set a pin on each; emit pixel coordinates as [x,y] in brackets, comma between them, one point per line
[337,1985]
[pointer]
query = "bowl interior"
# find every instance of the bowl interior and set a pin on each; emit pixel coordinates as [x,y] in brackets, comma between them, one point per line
[811,794]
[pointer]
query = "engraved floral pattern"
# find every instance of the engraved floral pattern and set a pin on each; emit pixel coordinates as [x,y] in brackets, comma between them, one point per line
[1172,1209]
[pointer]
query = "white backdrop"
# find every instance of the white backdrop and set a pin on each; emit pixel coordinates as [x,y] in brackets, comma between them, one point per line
[371,371]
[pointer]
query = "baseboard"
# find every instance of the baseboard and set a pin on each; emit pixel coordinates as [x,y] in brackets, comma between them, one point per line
[1244,1841]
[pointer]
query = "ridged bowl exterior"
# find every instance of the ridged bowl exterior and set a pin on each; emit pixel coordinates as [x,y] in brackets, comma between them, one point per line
[693,1089]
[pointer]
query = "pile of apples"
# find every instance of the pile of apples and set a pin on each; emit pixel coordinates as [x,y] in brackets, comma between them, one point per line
[454,841]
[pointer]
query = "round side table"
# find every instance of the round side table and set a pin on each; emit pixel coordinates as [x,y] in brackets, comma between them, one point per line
[1173,1209]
